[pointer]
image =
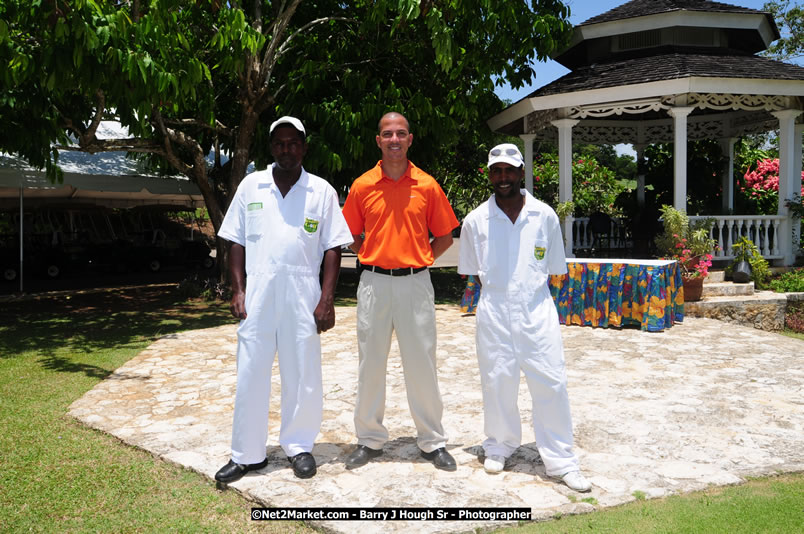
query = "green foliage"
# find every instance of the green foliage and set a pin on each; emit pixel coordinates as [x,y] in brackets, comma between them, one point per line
[796,206]
[624,166]
[185,76]
[705,162]
[788,282]
[465,191]
[744,249]
[594,187]
[760,271]
[751,149]
[679,234]
[790,20]
[564,209]
[461,170]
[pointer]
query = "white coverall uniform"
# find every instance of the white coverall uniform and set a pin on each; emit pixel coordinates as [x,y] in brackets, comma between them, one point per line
[518,328]
[285,240]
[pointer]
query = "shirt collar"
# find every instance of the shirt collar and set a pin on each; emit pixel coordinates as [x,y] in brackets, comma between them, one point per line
[303,181]
[408,173]
[531,206]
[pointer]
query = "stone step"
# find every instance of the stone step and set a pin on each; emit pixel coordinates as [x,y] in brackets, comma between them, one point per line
[764,310]
[723,289]
[715,276]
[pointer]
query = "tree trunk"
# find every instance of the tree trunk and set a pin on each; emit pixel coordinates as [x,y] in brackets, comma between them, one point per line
[245,135]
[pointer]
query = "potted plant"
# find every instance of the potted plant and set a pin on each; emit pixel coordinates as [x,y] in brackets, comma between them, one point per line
[691,245]
[744,250]
[759,271]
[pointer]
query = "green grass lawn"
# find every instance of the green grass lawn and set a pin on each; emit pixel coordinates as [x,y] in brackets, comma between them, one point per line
[58,475]
[789,333]
[763,505]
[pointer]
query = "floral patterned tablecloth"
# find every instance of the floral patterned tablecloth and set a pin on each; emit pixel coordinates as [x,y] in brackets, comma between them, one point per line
[611,293]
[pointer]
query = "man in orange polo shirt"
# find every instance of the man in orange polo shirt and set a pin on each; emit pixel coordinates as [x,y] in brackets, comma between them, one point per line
[391,211]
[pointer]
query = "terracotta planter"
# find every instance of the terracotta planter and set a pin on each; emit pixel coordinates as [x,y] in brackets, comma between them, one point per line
[693,289]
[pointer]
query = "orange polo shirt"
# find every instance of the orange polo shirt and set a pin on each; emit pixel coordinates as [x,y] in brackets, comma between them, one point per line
[397,217]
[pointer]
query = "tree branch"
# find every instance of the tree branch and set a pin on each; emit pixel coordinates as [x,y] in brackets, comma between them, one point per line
[87,137]
[172,158]
[307,26]
[257,24]
[219,127]
[277,29]
[133,144]
[100,104]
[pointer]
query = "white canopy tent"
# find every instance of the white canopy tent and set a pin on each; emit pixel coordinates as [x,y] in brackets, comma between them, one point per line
[105,180]
[113,191]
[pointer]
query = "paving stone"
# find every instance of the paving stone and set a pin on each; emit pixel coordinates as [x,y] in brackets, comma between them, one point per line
[701,403]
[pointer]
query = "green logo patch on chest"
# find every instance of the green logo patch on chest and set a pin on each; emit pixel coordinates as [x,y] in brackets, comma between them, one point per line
[254,206]
[310,225]
[538,252]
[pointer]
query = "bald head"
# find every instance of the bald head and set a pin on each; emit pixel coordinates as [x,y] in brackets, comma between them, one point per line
[393,115]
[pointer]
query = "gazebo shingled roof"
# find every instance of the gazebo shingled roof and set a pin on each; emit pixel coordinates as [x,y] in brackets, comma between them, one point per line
[641,8]
[670,66]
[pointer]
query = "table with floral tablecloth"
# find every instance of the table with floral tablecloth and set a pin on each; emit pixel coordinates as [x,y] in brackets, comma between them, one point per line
[612,293]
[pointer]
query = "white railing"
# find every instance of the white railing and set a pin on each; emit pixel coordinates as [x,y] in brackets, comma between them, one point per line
[584,238]
[762,230]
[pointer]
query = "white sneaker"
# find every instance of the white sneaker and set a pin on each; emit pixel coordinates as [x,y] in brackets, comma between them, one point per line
[494,463]
[576,481]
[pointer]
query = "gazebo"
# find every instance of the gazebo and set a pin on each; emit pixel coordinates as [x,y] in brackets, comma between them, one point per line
[652,71]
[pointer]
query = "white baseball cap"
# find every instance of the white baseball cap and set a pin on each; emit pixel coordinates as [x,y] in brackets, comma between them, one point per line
[287,119]
[506,153]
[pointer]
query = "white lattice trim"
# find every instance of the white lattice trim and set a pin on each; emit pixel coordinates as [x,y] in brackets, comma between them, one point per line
[632,107]
[732,101]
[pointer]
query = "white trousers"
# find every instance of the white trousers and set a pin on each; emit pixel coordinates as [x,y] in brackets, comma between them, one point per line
[403,304]
[514,335]
[279,308]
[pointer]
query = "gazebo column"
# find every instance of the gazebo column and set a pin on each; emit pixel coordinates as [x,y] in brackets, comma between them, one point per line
[527,139]
[639,148]
[796,188]
[565,175]
[727,145]
[787,151]
[679,115]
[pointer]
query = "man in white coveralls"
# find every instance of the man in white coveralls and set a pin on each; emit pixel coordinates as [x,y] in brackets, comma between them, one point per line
[512,243]
[282,222]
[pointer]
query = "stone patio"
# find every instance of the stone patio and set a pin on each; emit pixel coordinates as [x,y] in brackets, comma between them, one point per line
[703,403]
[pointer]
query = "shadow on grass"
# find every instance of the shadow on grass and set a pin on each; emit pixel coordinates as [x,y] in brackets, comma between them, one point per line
[113,319]
[63,365]
[55,327]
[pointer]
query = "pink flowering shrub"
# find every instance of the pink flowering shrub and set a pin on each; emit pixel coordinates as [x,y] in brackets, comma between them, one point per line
[693,265]
[761,186]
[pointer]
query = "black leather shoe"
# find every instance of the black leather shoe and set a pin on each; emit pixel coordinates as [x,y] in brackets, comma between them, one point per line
[361,456]
[303,465]
[232,472]
[441,459]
